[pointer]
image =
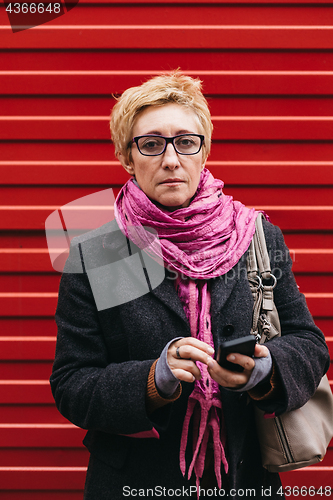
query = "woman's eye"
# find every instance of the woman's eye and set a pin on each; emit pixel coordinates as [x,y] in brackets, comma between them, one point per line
[186,142]
[151,144]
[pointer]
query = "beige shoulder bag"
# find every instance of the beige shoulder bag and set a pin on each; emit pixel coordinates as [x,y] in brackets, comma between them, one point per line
[300,437]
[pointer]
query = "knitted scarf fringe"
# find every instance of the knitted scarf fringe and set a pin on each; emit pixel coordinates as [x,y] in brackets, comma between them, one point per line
[209,423]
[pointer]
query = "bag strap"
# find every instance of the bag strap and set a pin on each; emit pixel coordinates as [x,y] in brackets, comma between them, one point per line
[264,264]
[259,270]
[258,263]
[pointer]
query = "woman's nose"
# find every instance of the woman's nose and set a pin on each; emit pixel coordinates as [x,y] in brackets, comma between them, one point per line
[170,157]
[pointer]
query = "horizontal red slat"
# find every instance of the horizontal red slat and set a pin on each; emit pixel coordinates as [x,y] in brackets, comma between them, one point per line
[301,217]
[16,348]
[28,349]
[19,326]
[23,368]
[41,495]
[318,218]
[294,195]
[54,456]
[317,476]
[225,128]
[285,195]
[242,151]
[26,260]
[320,304]
[44,304]
[228,82]
[29,217]
[321,240]
[170,36]
[36,239]
[24,217]
[28,326]
[313,283]
[28,304]
[329,341]
[209,61]
[206,12]
[42,478]
[272,128]
[307,260]
[223,105]
[38,283]
[62,173]
[51,195]
[232,172]
[64,435]
[31,414]
[34,260]
[64,128]
[40,435]
[25,391]
[28,282]
[330,374]
[13,283]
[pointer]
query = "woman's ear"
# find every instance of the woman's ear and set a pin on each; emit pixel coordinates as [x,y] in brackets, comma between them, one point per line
[125,163]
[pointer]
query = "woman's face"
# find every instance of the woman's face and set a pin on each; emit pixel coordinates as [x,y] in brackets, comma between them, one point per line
[170,179]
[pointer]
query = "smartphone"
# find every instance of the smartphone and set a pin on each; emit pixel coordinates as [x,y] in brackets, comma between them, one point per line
[243,345]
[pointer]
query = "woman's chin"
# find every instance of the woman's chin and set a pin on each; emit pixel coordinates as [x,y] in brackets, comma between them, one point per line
[171,204]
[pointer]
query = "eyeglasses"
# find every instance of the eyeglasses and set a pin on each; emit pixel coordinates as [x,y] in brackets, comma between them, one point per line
[155,145]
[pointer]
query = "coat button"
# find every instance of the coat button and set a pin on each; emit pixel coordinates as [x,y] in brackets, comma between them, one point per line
[240,463]
[228,330]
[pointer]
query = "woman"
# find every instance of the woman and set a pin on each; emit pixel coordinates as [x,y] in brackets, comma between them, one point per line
[163,417]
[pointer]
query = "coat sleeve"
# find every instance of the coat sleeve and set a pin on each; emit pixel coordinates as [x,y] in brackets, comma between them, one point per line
[89,390]
[300,355]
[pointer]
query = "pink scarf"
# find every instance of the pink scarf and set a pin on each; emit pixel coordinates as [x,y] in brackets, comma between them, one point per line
[202,241]
[204,403]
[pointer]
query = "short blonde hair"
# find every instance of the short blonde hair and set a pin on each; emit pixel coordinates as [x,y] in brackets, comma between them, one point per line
[164,89]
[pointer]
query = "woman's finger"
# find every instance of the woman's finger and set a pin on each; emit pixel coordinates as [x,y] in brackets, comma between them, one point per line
[228,378]
[188,366]
[195,343]
[184,375]
[240,359]
[260,351]
[182,357]
[188,351]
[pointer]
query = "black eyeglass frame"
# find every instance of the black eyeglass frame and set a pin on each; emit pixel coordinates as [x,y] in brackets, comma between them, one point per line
[168,140]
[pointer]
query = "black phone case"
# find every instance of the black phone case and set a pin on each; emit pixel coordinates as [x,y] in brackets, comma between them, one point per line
[243,345]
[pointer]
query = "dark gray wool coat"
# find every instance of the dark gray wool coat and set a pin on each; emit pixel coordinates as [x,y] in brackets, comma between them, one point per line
[103,359]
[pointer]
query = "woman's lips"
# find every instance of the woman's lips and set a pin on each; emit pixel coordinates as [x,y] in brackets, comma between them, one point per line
[172,181]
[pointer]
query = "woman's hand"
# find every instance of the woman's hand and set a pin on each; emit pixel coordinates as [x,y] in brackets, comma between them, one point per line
[183,354]
[235,380]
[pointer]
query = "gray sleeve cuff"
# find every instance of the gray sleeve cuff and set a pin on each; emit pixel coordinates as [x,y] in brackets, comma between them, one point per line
[165,380]
[262,368]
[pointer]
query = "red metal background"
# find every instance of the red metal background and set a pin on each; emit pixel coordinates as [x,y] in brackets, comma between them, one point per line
[267,69]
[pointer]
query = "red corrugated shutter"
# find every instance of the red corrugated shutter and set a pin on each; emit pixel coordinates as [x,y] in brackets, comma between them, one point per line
[267,69]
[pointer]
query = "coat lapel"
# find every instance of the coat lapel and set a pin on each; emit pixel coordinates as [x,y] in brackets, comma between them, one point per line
[221,289]
[167,294]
